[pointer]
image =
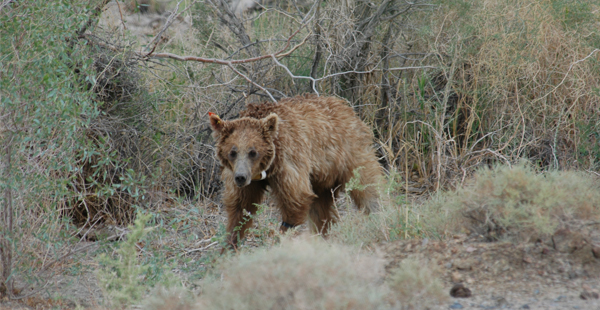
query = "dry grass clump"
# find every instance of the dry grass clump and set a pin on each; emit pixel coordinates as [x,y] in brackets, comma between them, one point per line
[311,274]
[172,299]
[513,79]
[396,219]
[393,221]
[298,274]
[417,285]
[516,202]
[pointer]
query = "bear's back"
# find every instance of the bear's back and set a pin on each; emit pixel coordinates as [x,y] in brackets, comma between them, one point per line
[300,107]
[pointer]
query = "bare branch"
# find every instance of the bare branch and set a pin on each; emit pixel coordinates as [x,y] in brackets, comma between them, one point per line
[278,54]
[314,80]
[253,83]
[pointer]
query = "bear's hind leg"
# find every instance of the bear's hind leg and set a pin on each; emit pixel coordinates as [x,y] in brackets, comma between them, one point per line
[322,212]
[370,176]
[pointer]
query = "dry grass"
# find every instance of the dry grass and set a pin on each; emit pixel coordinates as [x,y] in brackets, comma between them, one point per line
[416,285]
[518,203]
[310,274]
[515,79]
[297,274]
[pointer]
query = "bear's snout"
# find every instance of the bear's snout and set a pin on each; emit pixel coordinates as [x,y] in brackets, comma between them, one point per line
[241,180]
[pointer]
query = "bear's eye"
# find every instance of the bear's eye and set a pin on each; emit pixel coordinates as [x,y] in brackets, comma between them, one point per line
[232,154]
[252,154]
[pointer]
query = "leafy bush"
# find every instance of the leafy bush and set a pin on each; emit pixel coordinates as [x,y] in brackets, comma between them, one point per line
[46,107]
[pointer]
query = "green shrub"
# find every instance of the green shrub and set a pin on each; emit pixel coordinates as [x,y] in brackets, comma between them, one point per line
[123,277]
[46,107]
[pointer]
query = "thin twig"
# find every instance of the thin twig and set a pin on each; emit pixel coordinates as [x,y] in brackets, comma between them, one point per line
[201,249]
[314,80]
[252,82]
[566,74]
[278,54]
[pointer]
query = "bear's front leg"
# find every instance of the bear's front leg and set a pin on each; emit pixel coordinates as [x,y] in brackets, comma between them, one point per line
[293,195]
[240,204]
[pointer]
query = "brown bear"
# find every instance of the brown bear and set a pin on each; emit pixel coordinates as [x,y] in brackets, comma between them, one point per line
[305,149]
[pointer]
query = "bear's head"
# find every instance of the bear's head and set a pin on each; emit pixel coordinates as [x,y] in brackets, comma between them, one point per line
[245,146]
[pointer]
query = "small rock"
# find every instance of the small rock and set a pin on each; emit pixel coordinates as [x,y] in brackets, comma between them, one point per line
[566,241]
[448,265]
[541,272]
[460,291]
[456,306]
[536,292]
[456,277]
[588,295]
[560,298]
[528,259]
[464,264]
[573,275]
[501,302]
[596,250]
[525,306]
[470,249]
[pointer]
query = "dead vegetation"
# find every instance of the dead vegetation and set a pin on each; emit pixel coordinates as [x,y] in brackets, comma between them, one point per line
[310,274]
[516,203]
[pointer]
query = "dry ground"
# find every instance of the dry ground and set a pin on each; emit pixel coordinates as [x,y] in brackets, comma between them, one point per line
[504,275]
[500,275]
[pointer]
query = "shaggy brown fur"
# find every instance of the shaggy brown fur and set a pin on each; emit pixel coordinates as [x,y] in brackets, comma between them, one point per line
[308,146]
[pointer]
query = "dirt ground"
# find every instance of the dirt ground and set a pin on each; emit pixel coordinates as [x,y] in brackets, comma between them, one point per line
[499,275]
[504,275]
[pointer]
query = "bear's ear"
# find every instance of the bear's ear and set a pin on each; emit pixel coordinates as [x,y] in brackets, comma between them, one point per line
[269,125]
[215,122]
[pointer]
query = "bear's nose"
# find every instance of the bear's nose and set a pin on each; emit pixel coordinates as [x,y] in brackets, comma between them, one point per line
[240,179]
